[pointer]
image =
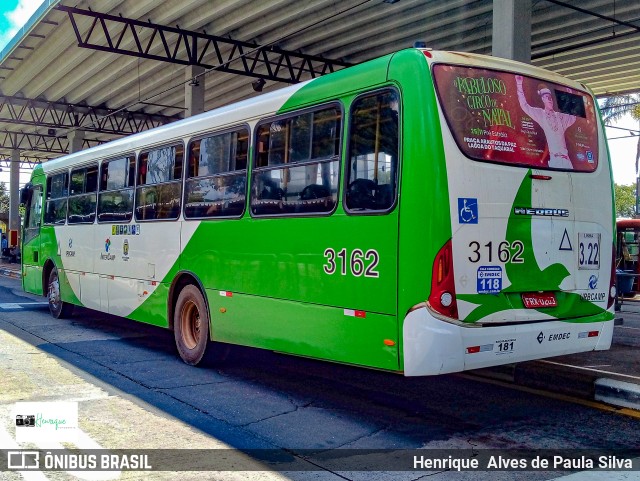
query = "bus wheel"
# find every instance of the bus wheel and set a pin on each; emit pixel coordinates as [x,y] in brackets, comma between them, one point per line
[57,307]
[191,325]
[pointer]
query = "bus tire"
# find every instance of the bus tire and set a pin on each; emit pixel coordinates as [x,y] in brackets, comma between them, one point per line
[191,325]
[57,307]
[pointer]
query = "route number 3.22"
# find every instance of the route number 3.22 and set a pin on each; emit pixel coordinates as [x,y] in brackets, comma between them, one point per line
[358,263]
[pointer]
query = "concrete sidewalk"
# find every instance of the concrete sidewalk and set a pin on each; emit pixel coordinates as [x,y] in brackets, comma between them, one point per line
[612,376]
[10,269]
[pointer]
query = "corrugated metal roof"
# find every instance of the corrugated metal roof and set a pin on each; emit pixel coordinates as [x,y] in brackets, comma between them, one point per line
[45,62]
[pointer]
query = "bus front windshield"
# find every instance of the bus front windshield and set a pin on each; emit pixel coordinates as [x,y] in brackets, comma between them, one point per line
[513,119]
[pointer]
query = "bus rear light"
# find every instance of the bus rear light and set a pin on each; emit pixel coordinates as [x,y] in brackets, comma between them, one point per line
[612,281]
[443,290]
[594,333]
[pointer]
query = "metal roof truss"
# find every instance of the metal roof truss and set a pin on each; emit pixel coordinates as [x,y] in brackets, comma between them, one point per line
[125,36]
[62,115]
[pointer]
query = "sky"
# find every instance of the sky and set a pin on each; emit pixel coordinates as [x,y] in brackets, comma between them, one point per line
[622,145]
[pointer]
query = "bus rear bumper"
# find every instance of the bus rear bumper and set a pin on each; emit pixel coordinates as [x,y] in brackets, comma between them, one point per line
[432,346]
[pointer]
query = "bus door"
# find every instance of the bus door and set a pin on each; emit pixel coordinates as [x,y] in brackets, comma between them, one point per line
[31,264]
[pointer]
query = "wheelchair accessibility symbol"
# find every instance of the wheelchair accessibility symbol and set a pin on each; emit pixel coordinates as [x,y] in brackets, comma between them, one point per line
[467,210]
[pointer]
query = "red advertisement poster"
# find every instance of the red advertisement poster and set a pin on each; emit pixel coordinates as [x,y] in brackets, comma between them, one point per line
[513,119]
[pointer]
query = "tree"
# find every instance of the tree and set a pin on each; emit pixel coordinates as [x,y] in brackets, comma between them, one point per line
[616,107]
[625,200]
[4,198]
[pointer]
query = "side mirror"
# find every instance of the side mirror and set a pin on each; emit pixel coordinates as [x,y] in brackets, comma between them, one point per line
[25,193]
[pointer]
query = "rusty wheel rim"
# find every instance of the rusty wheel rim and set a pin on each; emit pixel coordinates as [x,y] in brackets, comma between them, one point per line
[190,324]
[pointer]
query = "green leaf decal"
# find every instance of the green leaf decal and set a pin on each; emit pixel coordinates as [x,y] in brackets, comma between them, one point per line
[528,276]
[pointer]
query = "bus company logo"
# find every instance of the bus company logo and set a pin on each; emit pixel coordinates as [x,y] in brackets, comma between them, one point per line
[467,210]
[125,250]
[541,211]
[594,296]
[593,282]
[107,256]
[70,252]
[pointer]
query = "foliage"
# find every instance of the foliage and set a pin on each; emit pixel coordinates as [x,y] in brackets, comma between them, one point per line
[625,200]
[614,108]
[4,198]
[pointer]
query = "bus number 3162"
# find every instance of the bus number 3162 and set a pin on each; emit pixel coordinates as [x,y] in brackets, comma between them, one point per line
[358,262]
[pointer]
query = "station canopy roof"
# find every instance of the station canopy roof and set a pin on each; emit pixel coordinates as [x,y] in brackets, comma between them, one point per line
[115,67]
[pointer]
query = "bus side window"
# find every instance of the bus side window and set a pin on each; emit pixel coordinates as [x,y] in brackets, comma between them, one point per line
[115,199]
[56,205]
[372,175]
[217,176]
[33,214]
[159,186]
[297,164]
[82,195]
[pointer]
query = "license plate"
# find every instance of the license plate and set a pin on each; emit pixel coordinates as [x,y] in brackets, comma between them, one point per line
[536,300]
[588,250]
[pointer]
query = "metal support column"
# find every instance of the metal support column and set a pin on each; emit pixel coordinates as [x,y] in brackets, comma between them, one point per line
[194,90]
[512,29]
[14,187]
[76,138]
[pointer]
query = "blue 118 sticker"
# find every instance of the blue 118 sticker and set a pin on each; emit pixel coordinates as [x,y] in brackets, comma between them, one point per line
[489,279]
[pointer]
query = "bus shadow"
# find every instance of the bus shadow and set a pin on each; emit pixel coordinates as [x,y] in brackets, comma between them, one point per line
[256,399]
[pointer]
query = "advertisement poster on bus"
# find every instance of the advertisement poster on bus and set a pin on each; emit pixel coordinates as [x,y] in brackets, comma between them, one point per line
[513,119]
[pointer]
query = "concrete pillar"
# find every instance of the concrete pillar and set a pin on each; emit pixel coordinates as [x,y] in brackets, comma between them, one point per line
[194,91]
[14,194]
[512,30]
[75,137]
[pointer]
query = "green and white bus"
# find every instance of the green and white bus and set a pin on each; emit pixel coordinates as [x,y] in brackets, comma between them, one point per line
[424,212]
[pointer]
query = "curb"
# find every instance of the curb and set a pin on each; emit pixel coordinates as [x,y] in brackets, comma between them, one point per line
[567,380]
[618,393]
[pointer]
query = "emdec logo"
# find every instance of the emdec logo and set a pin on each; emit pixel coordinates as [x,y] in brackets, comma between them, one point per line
[107,244]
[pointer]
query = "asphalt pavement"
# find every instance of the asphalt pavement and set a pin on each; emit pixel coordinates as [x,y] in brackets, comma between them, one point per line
[611,377]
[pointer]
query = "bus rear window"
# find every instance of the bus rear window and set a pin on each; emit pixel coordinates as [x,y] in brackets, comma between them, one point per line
[513,119]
